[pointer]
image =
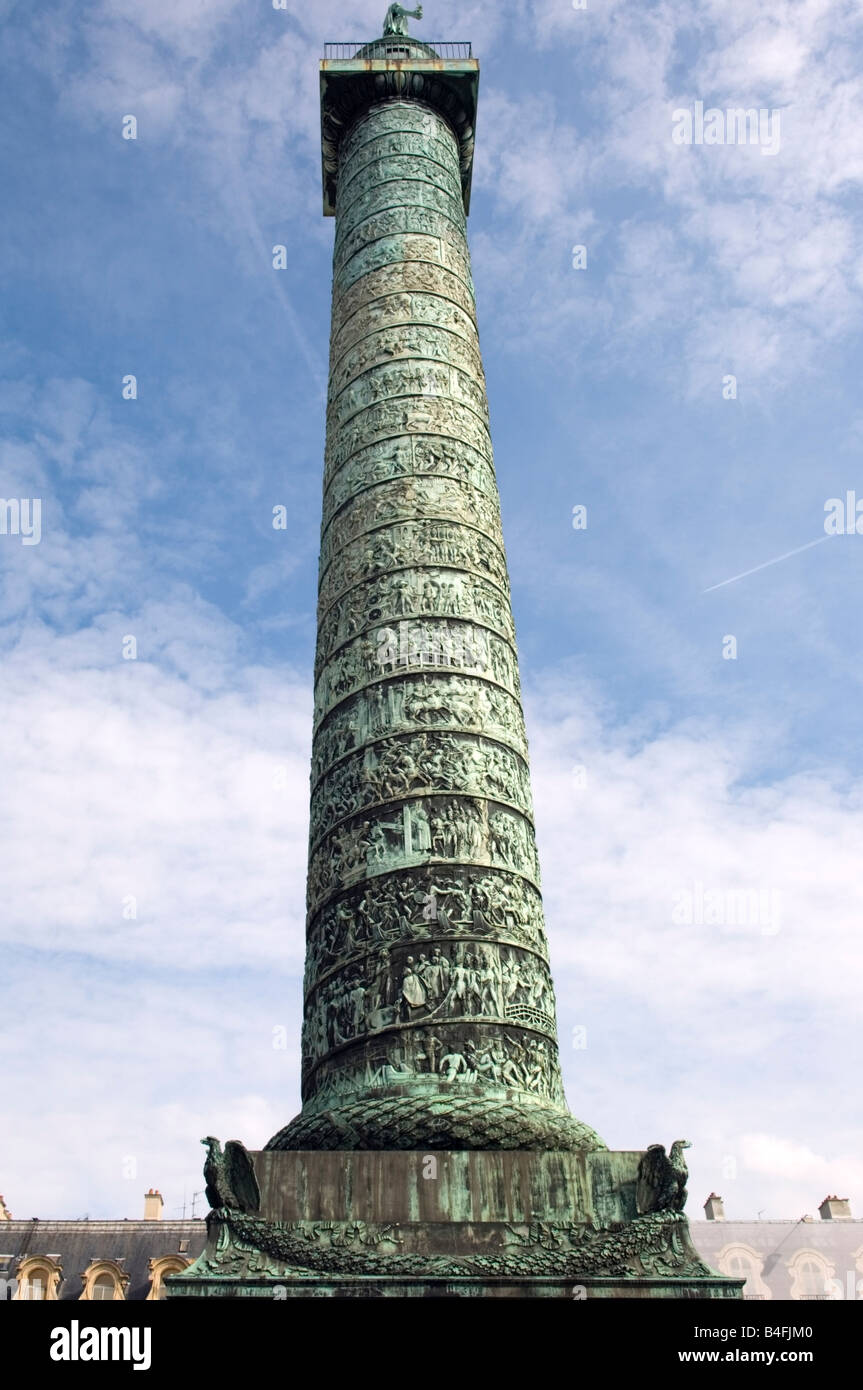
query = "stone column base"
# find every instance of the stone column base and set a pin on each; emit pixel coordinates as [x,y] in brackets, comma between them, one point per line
[404,1224]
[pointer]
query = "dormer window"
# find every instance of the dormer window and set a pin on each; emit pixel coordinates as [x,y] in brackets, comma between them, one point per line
[104,1281]
[38,1278]
[104,1287]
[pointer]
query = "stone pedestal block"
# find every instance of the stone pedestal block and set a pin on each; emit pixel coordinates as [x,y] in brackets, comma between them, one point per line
[408,1224]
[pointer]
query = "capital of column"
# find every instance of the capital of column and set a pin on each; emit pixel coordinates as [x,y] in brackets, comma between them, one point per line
[350,87]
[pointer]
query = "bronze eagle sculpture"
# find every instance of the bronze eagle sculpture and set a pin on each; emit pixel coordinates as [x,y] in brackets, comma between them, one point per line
[230,1177]
[662,1178]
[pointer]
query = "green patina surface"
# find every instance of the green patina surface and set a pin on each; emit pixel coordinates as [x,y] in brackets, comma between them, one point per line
[429,1007]
[470,1223]
[430,1068]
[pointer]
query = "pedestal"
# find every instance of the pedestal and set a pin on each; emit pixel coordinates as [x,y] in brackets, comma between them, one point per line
[506,1224]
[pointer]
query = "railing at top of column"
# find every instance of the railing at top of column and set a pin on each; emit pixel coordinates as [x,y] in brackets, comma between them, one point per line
[389,48]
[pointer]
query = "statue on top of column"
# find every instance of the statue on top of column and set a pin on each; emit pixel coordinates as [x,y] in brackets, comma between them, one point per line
[396,22]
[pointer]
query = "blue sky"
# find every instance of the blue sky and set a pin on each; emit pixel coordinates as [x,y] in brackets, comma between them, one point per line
[181,778]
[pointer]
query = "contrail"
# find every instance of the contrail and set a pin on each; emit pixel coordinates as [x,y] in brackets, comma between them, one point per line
[788,553]
[244,207]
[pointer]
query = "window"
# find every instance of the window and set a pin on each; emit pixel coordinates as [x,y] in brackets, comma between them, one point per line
[811,1280]
[38,1278]
[741,1262]
[812,1277]
[161,1269]
[104,1280]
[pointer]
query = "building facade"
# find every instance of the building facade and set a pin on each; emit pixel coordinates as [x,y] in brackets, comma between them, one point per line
[65,1261]
[805,1260]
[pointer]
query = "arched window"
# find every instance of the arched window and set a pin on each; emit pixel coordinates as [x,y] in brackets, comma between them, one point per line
[36,1286]
[104,1280]
[161,1269]
[742,1262]
[38,1278]
[812,1277]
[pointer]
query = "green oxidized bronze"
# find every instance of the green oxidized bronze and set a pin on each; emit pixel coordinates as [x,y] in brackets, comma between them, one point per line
[656,1245]
[396,22]
[429,1017]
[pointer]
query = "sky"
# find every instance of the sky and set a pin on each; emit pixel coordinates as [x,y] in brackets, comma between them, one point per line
[690,378]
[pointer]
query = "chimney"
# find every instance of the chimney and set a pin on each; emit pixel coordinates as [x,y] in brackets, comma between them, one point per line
[153,1204]
[713,1208]
[835,1209]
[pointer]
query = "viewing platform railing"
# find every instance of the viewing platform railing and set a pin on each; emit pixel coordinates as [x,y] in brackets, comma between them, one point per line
[388,48]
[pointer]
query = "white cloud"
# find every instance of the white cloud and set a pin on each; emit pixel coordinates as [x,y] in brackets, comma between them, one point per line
[782,1159]
[771,234]
[702,1027]
[125,1070]
[173,780]
[677,808]
[188,25]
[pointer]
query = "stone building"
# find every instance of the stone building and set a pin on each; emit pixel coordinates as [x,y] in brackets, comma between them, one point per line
[807,1259]
[98,1260]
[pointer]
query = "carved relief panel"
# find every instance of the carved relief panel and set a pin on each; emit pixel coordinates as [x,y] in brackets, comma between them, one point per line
[398,766]
[423,830]
[404,278]
[394,380]
[416,221]
[401,544]
[423,646]
[400,309]
[398,248]
[410,340]
[420,902]
[446,981]
[461,1055]
[406,457]
[429,499]
[428,700]
[392,601]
